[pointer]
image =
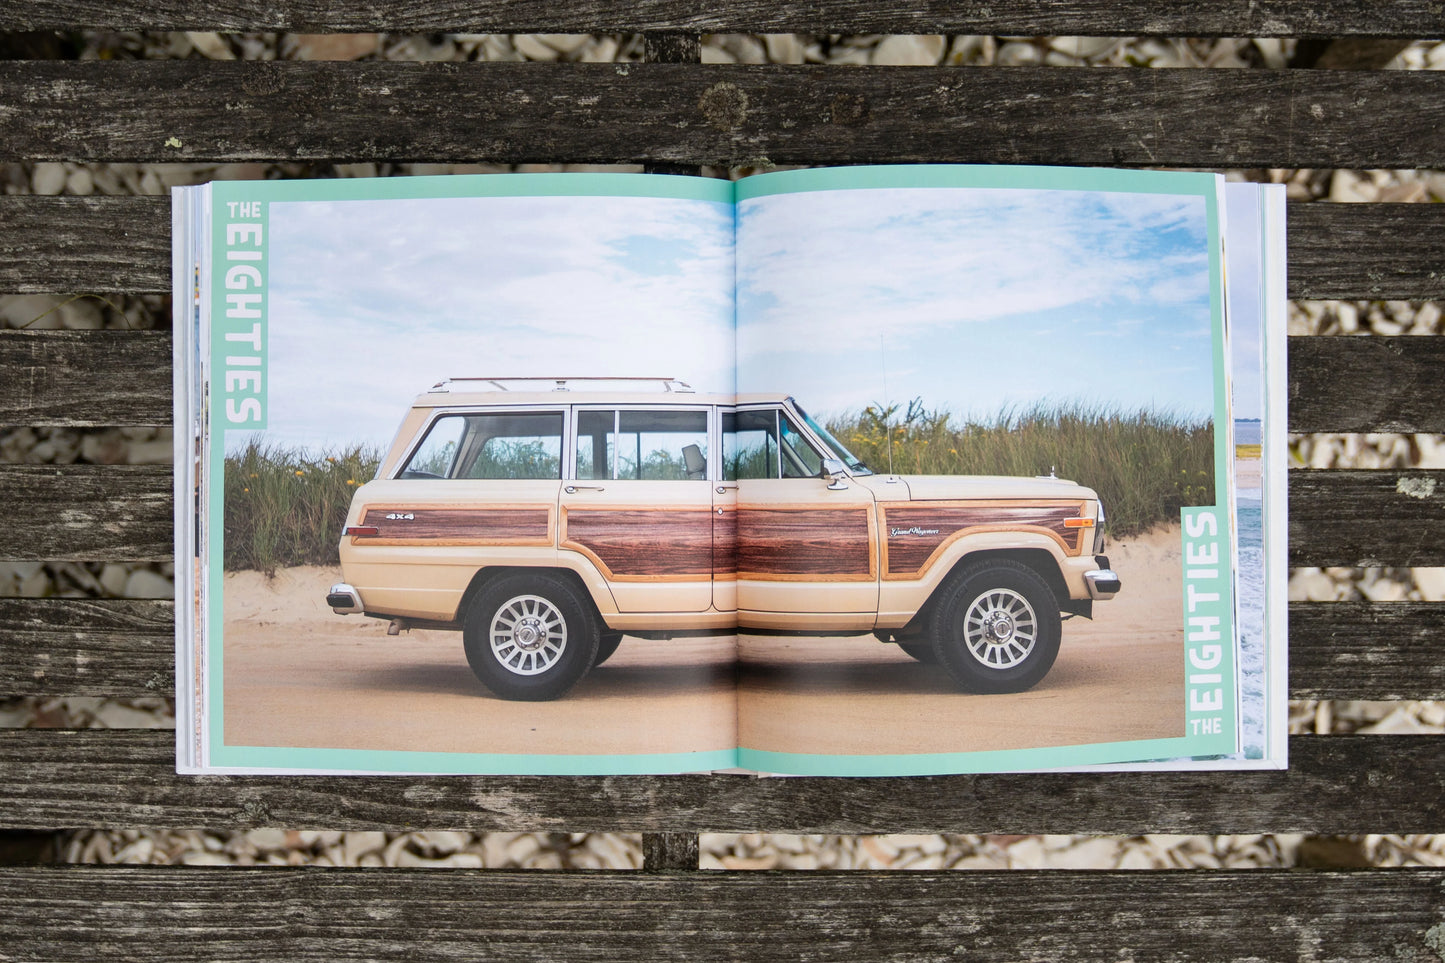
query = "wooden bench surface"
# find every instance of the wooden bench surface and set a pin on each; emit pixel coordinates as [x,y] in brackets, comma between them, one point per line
[691,114]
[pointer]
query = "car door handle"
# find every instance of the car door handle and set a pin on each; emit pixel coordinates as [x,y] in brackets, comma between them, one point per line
[574,489]
[724,489]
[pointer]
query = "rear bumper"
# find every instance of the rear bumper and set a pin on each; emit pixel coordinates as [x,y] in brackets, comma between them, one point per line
[1103,582]
[344,600]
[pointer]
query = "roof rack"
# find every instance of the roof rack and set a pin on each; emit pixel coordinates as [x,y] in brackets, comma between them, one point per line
[564,384]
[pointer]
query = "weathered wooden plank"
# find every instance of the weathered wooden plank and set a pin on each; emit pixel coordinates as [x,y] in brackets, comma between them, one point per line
[1230,18]
[99,513]
[115,647]
[1367,384]
[85,377]
[1394,517]
[1365,650]
[669,851]
[67,244]
[191,110]
[1366,251]
[123,647]
[126,779]
[87,512]
[287,914]
[71,244]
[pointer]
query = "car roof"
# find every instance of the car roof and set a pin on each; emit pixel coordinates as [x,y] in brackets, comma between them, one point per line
[678,399]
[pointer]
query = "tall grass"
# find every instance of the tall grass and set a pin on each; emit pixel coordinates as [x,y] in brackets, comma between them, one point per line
[1145,465]
[286,506]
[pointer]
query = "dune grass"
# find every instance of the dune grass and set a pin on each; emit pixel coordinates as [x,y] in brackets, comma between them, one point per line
[286,507]
[1145,465]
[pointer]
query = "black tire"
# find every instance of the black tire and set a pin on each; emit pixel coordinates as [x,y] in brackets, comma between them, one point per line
[529,637]
[995,627]
[921,651]
[606,645]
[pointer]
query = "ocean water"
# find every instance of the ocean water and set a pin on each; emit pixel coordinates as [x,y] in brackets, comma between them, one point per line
[1250,606]
[1247,432]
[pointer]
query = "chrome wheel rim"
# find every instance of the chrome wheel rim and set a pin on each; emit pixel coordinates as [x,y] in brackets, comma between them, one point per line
[528,635]
[1000,628]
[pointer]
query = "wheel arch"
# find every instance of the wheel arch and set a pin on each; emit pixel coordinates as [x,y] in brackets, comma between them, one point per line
[486,576]
[1039,560]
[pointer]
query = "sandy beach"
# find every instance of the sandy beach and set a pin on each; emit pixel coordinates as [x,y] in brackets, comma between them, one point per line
[296,674]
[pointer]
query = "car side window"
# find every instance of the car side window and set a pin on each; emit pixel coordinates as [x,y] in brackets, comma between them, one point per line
[800,459]
[764,443]
[642,445]
[750,444]
[501,445]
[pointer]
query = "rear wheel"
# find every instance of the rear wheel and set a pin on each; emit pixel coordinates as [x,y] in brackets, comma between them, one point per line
[996,627]
[529,637]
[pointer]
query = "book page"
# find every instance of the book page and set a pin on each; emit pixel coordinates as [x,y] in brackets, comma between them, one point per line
[1016,550]
[462,439]
[1256,320]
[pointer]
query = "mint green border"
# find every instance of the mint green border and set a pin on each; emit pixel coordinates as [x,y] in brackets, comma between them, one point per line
[452,186]
[705,189]
[473,763]
[958,763]
[981,176]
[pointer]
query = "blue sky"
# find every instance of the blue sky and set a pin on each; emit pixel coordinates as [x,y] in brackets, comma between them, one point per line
[373,302]
[1243,240]
[974,300]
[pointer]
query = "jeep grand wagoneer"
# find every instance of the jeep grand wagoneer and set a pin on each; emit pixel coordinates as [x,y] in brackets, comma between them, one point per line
[547,522]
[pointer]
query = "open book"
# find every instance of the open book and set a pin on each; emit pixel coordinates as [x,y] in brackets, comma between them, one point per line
[862,471]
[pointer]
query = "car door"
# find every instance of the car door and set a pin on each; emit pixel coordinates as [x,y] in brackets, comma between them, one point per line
[639,506]
[724,518]
[806,545]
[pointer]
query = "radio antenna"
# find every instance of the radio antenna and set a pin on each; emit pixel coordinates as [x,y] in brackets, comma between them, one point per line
[887,401]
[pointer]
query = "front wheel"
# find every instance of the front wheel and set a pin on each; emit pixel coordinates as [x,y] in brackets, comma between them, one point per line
[996,627]
[529,638]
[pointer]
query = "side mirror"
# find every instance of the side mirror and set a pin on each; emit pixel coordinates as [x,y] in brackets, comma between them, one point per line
[833,471]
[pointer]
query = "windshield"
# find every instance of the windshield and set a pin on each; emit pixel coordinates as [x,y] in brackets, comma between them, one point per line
[839,452]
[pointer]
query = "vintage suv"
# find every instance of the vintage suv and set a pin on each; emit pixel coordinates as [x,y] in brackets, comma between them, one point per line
[546,523]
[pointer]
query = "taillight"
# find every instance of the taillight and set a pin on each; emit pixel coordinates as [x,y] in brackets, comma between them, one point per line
[361,530]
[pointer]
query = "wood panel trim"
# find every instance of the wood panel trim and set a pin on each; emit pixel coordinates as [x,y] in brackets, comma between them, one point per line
[870,520]
[565,541]
[481,508]
[943,546]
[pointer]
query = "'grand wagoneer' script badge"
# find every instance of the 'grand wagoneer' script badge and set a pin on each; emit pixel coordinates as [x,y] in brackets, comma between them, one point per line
[915,530]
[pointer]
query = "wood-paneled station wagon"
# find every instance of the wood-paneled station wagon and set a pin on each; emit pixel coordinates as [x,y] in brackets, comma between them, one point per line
[547,522]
